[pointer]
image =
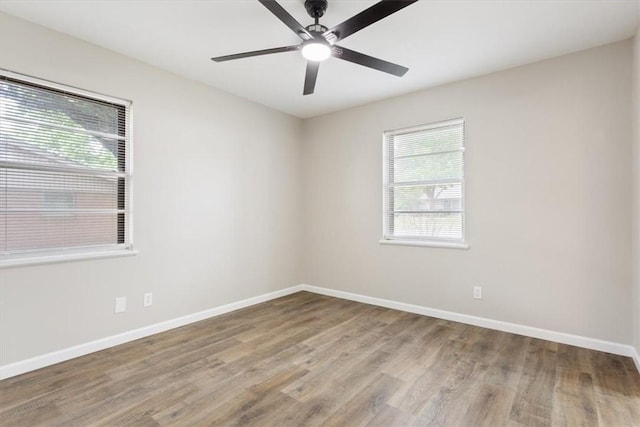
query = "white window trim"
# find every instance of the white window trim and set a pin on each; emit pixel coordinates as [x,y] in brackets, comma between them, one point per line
[424,243]
[417,241]
[56,257]
[77,254]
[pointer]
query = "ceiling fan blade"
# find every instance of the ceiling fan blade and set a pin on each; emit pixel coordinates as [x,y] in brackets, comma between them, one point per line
[310,77]
[367,17]
[255,53]
[369,61]
[288,20]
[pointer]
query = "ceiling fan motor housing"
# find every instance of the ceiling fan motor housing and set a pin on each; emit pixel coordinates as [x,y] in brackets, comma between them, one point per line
[315,8]
[316,30]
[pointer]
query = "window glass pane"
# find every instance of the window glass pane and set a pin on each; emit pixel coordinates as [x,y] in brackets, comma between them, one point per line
[39,230]
[50,107]
[36,190]
[440,226]
[428,167]
[53,136]
[440,197]
[429,141]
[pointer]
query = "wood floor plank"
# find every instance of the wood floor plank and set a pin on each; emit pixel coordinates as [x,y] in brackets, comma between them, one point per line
[443,374]
[313,360]
[311,413]
[323,364]
[366,404]
[613,376]
[231,382]
[355,336]
[248,406]
[346,325]
[142,412]
[34,413]
[422,353]
[448,402]
[87,407]
[533,402]
[390,416]
[574,398]
[490,405]
[617,410]
[340,384]
[506,369]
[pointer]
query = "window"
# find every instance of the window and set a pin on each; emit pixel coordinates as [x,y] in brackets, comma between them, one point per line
[64,172]
[424,185]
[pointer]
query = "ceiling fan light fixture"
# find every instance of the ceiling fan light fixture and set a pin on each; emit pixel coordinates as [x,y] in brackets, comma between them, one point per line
[316,50]
[319,42]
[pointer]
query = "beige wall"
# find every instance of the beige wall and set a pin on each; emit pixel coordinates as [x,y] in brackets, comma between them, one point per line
[216,201]
[635,118]
[548,172]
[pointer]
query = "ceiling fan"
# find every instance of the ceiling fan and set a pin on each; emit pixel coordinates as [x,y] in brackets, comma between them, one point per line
[319,42]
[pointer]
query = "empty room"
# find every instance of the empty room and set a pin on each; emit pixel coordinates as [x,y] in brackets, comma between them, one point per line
[320,213]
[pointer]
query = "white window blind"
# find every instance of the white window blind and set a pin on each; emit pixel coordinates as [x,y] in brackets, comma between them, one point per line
[424,183]
[64,169]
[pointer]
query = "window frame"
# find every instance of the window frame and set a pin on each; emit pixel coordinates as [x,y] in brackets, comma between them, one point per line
[389,238]
[46,255]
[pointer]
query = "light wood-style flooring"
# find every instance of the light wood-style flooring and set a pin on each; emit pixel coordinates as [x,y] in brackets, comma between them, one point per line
[312,360]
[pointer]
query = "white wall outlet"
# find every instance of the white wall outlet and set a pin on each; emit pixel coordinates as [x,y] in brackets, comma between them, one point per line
[121,305]
[148,299]
[477,292]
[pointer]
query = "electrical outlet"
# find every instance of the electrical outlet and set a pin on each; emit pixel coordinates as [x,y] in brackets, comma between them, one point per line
[477,292]
[121,305]
[148,299]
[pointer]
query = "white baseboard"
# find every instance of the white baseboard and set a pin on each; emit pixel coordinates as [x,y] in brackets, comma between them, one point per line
[20,367]
[27,365]
[636,358]
[560,337]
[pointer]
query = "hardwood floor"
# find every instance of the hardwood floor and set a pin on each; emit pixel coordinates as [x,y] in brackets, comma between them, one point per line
[308,360]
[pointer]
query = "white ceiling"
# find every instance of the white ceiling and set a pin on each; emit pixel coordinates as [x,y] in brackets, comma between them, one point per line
[440,41]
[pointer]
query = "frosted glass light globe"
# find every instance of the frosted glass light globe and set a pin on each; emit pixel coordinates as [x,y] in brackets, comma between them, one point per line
[316,51]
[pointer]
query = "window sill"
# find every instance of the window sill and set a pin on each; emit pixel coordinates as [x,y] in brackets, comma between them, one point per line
[50,259]
[444,245]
